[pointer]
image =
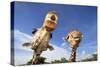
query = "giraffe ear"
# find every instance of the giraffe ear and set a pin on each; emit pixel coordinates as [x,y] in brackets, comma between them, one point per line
[28,44]
[67,37]
[34,31]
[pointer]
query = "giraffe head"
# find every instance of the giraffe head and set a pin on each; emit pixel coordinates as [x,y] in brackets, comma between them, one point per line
[74,38]
[50,21]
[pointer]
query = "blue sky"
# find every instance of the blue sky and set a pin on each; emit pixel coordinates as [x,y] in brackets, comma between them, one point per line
[29,15]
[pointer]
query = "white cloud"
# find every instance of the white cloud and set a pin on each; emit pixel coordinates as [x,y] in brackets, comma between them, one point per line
[83,52]
[63,44]
[66,46]
[20,38]
[56,54]
[83,55]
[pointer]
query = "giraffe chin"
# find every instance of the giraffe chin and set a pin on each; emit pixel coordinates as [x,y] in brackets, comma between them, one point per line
[74,44]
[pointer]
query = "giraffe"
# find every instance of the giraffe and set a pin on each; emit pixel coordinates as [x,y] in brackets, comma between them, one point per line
[42,36]
[73,38]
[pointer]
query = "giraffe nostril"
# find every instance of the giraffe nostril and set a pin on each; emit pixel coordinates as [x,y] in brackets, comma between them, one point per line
[53,17]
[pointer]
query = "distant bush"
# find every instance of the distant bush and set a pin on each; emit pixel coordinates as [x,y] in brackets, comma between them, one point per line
[62,60]
[94,58]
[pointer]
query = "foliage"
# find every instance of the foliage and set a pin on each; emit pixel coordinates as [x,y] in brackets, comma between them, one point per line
[93,58]
[41,60]
[62,60]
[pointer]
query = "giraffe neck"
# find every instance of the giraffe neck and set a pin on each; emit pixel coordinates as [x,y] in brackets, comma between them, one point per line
[73,55]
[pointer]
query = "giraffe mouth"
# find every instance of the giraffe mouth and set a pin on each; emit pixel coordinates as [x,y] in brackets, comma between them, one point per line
[50,25]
